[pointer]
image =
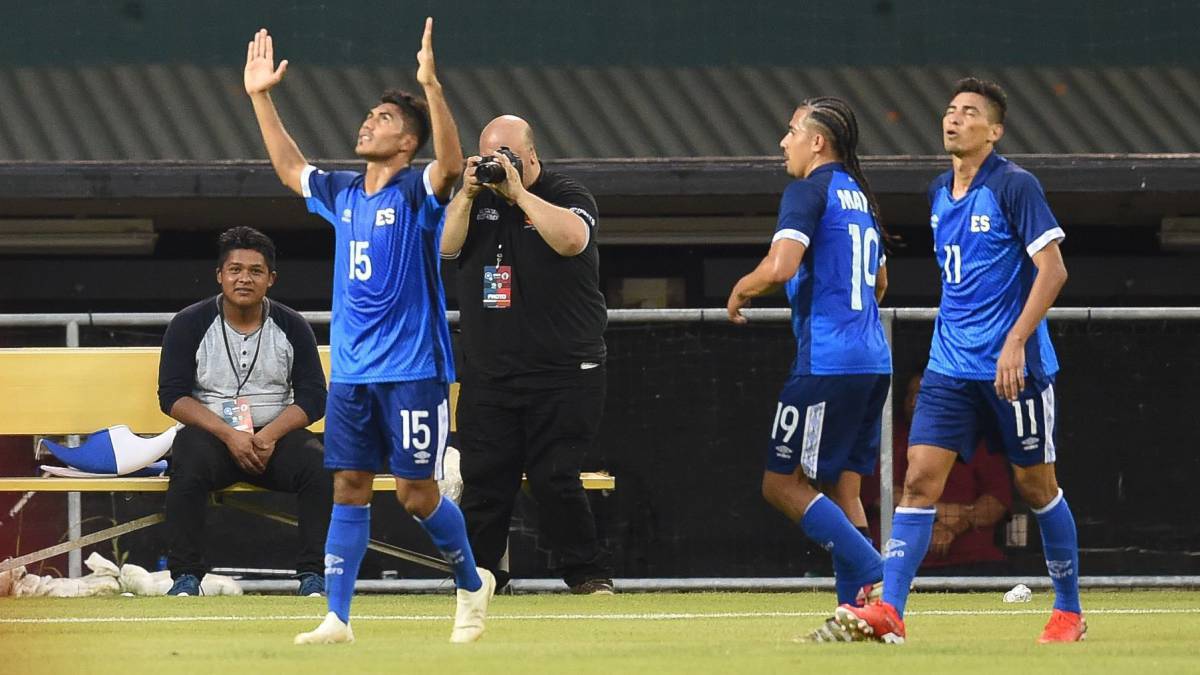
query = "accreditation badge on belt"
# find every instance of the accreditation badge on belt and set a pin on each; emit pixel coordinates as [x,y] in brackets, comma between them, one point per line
[236,414]
[497,286]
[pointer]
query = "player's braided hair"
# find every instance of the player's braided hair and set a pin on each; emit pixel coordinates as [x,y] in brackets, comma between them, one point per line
[415,111]
[837,120]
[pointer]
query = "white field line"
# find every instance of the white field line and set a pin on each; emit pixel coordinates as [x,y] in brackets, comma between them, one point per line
[565,617]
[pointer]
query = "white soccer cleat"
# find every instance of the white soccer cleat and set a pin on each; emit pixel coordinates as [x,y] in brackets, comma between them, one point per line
[830,631]
[331,631]
[472,609]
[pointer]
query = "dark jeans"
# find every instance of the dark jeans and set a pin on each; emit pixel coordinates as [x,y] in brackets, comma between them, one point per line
[200,464]
[540,425]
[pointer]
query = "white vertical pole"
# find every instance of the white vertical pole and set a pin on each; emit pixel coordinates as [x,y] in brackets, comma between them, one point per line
[74,502]
[886,498]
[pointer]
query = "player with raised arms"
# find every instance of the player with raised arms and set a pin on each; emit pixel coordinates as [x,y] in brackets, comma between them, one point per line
[828,253]
[391,358]
[991,365]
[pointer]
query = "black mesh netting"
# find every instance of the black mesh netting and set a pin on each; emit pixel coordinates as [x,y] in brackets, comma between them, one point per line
[685,429]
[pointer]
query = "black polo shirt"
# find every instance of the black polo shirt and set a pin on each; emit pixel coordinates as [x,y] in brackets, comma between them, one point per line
[557,316]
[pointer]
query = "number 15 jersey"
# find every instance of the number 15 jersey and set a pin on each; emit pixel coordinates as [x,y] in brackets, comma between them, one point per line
[834,314]
[984,243]
[389,309]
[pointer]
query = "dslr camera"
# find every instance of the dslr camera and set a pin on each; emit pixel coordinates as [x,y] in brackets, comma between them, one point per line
[489,170]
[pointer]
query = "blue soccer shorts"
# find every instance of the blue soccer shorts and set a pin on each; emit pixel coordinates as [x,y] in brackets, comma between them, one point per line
[398,425]
[954,413]
[827,424]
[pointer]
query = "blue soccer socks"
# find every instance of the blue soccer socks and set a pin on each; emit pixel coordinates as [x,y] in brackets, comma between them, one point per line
[345,545]
[448,530]
[1061,546]
[903,553]
[855,561]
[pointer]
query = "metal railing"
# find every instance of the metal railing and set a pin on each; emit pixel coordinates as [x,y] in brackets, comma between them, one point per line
[73,321]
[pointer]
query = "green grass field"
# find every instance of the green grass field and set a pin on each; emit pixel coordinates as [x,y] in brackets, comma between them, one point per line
[1136,631]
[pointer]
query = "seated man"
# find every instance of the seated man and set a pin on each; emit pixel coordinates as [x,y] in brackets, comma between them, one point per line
[242,373]
[978,495]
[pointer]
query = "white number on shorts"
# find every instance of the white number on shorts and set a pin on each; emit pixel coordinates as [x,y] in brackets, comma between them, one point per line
[1020,418]
[861,256]
[416,431]
[360,262]
[787,417]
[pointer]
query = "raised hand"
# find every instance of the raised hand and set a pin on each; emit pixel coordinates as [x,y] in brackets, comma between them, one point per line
[426,71]
[261,73]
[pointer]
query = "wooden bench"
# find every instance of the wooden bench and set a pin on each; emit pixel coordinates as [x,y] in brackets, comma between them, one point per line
[69,391]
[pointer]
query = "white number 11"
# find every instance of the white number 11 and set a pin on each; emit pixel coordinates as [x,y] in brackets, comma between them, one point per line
[1020,418]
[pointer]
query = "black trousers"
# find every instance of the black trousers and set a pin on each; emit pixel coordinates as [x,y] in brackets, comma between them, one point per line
[540,425]
[200,463]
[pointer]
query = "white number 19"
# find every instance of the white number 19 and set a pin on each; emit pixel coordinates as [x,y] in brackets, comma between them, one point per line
[787,417]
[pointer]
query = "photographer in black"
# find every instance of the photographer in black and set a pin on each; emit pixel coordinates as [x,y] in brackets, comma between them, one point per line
[532,372]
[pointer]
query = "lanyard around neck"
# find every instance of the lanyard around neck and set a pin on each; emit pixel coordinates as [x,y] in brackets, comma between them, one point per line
[229,352]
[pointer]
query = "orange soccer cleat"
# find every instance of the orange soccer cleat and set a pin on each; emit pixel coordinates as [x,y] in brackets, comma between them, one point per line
[876,622]
[1064,627]
[869,593]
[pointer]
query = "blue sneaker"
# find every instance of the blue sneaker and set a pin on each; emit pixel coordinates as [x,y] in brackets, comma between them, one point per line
[312,585]
[185,585]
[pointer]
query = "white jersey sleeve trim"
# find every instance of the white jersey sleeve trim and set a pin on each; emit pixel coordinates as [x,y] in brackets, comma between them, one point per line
[426,181]
[305,174]
[1055,234]
[794,235]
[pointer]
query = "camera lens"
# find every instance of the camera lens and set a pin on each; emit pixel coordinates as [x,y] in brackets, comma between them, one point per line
[490,172]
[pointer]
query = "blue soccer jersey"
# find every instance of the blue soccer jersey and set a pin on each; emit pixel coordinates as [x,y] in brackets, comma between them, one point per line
[389,310]
[984,243]
[834,314]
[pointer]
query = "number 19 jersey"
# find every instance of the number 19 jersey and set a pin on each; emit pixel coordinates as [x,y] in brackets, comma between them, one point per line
[389,309]
[834,314]
[984,243]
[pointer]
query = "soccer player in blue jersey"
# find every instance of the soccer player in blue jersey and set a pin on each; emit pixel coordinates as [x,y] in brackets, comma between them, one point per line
[991,365]
[391,358]
[828,253]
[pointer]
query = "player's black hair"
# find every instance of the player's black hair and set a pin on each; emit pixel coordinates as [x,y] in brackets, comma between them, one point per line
[987,89]
[837,120]
[242,237]
[415,111]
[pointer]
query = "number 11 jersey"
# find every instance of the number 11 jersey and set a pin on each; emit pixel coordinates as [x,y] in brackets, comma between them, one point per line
[984,243]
